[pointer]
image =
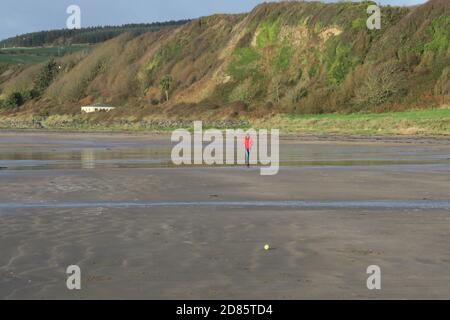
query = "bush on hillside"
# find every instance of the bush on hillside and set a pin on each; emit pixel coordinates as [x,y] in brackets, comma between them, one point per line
[18,97]
[46,76]
[442,87]
[382,84]
[15,99]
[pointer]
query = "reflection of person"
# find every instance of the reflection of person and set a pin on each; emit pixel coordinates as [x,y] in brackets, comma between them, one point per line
[247,146]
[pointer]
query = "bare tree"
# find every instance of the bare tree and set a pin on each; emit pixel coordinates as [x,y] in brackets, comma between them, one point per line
[383,83]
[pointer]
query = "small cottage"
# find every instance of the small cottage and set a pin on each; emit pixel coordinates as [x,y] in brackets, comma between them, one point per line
[96,108]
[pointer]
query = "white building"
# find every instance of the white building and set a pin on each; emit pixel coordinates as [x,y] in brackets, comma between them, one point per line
[96,108]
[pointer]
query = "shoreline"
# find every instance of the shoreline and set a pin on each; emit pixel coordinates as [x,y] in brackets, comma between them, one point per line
[284,136]
[412,123]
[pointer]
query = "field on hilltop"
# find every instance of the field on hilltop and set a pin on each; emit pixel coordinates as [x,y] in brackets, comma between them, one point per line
[281,58]
[34,55]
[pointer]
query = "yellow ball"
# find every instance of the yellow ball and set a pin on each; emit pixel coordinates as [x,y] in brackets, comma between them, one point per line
[266,247]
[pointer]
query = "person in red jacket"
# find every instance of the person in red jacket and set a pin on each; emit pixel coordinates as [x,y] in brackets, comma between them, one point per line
[247,145]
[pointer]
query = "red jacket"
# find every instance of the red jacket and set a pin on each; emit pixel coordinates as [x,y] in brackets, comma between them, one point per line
[247,142]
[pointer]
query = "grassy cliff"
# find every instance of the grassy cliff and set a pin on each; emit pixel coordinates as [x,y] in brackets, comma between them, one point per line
[281,58]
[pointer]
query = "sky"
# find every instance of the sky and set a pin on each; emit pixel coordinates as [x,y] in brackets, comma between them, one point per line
[23,16]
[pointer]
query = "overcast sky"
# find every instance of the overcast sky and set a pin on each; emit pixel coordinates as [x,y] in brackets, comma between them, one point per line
[22,16]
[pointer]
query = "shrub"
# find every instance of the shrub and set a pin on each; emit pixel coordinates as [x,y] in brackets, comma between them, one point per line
[383,84]
[18,98]
[14,100]
[339,60]
[267,34]
[45,77]
[442,87]
[154,101]
[166,84]
[359,23]
[244,63]
[281,61]
[244,92]
[440,34]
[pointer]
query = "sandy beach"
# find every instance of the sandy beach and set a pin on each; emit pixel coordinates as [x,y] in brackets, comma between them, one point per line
[140,228]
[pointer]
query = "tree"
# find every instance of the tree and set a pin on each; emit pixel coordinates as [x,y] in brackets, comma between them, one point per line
[15,99]
[383,83]
[276,86]
[166,83]
[46,76]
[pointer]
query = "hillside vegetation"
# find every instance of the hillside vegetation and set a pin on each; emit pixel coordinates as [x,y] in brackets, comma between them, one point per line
[281,58]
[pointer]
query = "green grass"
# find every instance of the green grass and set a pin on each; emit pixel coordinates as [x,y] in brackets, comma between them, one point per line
[244,63]
[416,122]
[340,60]
[282,60]
[36,55]
[267,33]
[405,115]
[440,34]
[359,23]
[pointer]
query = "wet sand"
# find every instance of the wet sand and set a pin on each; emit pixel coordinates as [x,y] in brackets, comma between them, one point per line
[63,201]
